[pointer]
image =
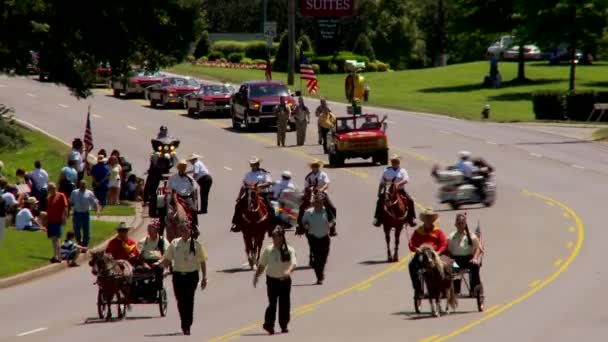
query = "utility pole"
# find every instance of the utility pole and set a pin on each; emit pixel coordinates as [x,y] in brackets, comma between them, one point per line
[291,32]
[265,13]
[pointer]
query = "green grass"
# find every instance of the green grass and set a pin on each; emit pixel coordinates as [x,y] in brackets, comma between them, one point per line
[454,90]
[601,134]
[23,251]
[53,155]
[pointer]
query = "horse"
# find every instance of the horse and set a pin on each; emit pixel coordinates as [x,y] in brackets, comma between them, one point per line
[393,214]
[114,278]
[437,275]
[254,219]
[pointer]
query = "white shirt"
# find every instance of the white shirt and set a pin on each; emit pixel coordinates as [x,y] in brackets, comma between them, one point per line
[316,179]
[281,185]
[199,170]
[258,177]
[40,178]
[183,185]
[275,267]
[9,200]
[24,218]
[77,157]
[466,167]
[317,222]
[398,175]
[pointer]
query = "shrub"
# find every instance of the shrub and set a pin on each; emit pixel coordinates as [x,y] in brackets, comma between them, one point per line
[256,50]
[305,43]
[383,67]
[236,57]
[215,55]
[363,46]
[316,68]
[203,59]
[339,61]
[332,67]
[280,59]
[259,61]
[10,137]
[371,67]
[548,105]
[190,59]
[578,105]
[229,46]
[202,47]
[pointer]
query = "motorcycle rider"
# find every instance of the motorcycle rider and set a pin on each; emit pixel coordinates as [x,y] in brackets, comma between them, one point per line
[161,162]
[468,169]
[283,184]
[395,173]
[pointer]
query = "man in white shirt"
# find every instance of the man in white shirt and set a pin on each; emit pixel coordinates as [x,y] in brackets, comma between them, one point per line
[263,181]
[318,181]
[317,223]
[39,178]
[395,173]
[25,219]
[77,156]
[186,188]
[201,175]
[284,184]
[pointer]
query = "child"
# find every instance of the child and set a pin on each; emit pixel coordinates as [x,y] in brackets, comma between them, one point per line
[70,250]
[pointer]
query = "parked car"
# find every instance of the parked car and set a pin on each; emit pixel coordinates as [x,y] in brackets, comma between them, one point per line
[135,83]
[500,45]
[210,98]
[531,53]
[171,91]
[562,53]
[103,75]
[255,101]
[358,136]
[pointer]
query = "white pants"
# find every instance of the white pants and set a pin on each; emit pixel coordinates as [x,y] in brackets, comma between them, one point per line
[2,227]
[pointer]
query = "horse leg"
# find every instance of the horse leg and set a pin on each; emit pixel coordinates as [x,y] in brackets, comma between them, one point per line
[109,295]
[248,248]
[387,238]
[432,304]
[397,238]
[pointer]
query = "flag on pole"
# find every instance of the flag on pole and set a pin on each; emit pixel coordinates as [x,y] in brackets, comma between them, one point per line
[88,135]
[268,71]
[308,74]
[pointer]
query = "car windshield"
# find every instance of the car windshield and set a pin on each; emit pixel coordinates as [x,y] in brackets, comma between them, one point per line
[358,122]
[148,74]
[214,90]
[267,90]
[179,82]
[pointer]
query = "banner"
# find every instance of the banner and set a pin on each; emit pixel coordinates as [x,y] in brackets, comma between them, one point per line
[327,8]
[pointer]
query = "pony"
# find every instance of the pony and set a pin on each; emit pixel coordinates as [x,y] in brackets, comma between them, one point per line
[254,220]
[393,214]
[114,279]
[178,215]
[437,275]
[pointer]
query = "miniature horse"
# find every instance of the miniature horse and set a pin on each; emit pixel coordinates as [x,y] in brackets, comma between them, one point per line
[114,279]
[254,220]
[178,215]
[437,274]
[393,215]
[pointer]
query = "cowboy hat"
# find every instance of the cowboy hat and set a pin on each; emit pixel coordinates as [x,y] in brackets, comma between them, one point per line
[182,163]
[101,158]
[32,200]
[254,160]
[123,226]
[316,162]
[395,157]
[193,156]
[429,213]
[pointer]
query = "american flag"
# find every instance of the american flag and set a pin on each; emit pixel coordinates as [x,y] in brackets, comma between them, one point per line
[268,71]
[308,74]
[88,135]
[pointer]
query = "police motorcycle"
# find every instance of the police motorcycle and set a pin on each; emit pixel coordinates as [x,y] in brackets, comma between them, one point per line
[456,191]
[162,160]
[286,206]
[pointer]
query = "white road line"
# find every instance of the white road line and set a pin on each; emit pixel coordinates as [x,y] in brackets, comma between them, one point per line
[227,168]
[131,127]
[96,116]
[536,155]
[31,332]
[444,132]
[391,122]
[577,166]
[63,106]
[30,94]
[491,143]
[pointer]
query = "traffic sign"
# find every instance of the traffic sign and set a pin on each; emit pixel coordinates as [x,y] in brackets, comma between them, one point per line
[270,30]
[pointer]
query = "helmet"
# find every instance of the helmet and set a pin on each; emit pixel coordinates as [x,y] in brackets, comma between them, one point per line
[464,154]
[163,128]
[286,174]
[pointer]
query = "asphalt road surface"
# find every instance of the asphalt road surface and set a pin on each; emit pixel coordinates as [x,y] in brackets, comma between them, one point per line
[543,271]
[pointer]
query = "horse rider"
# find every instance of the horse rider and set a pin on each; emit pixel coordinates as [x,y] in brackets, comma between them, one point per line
[319,182]
[122,247]
[427,233]
[465,249]
[283,112]
[395,173]
[326,121]
[302,116]
[202,176]
[317,224]
[186,189]
[263,181]
[284,184]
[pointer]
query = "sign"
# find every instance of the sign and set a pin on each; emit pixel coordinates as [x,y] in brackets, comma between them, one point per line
[270,30]
[327,36]
[327,8]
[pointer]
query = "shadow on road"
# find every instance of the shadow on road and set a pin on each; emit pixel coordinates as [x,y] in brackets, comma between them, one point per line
[235,270]
[164,335]
[373,262]
[255,334]
[462,208]
[205,116]
[565,142]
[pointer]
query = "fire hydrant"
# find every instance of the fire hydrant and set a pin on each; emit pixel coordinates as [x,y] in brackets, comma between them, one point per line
[485,113]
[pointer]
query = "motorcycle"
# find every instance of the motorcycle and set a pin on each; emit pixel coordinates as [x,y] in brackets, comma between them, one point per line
[286,208]
[456,192]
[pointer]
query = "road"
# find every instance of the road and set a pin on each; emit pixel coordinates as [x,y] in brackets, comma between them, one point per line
[545,235]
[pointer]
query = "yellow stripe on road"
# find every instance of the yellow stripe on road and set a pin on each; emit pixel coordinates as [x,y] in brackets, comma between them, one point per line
[429,339]
[534,283]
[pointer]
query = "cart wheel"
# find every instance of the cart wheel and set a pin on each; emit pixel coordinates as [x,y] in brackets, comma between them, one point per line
[162,302]
[102,306]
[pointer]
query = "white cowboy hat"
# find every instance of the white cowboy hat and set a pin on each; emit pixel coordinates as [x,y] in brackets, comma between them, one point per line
[193,156]
[123,226]
[182,163]
[286,174]
[316,162]
[101,158]
[32,200]
[464,154]
[395,157]
[429,213]
[254,160]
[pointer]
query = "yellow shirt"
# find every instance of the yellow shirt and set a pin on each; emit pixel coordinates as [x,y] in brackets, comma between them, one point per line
[183,260]
[327,119]
[271,258]
[148,248]
[458,244]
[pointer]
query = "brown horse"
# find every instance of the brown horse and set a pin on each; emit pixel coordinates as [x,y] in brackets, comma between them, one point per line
[437,275]
[178,216]
[254,221]
[393,214]
[114,280]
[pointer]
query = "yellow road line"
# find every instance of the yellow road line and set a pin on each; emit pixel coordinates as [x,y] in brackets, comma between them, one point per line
[491,308]
[364,287]
[303,312]
[569,244]
[563,267]
[550,203]
[429,339]
[557,262]
[534,283]
[566,215]
[571,229]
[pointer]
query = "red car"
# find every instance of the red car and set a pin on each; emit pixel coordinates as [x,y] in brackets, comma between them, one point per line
[255,101]
[210,98]
[136,84]
[171,91]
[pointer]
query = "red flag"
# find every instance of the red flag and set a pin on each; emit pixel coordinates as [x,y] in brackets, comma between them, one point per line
[88,135]
[268,71]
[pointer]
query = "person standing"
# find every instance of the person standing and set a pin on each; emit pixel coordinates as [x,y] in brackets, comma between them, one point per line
[278,260]
[201,174]
[283,112]
[101,179]
[326,120]
[317,222]
[82,201]
[302,116]
[114,181]
[57,214]
[77,155]
[39,178]
[68,178]
[186,255]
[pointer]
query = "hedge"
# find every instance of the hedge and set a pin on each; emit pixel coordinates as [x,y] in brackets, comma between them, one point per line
[558,105]
[255,49]
[215,55]
[334,64]
[236,57]
[578,105]
[548,105]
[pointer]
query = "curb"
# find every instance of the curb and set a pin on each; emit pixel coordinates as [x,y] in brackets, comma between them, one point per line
[21,278]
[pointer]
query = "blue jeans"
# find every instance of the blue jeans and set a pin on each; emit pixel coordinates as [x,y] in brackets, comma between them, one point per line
[101,192]
[82,227]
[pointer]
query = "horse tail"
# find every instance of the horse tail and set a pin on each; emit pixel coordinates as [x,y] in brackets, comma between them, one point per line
[451,297]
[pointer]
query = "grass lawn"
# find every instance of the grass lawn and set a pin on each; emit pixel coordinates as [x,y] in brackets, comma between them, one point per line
[454,90]
[601,134]
[30,250]
[53,155]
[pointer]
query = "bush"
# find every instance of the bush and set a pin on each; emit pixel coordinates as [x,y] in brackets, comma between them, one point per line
[256,50]
[229,46]
[548,105]
[339,61]
[203,59]
[383,67]
[305,43]
[236,57]
[316,68]
[332,67]
[190,59]
[280,58]
[11,138]
[371,67]
[259,61]
[202,47]
[578,105]
[363,46]
[215,55]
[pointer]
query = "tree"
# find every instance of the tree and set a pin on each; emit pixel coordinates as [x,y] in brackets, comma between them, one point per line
[203,45]
[156,33]
[363,47]
[434,24]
